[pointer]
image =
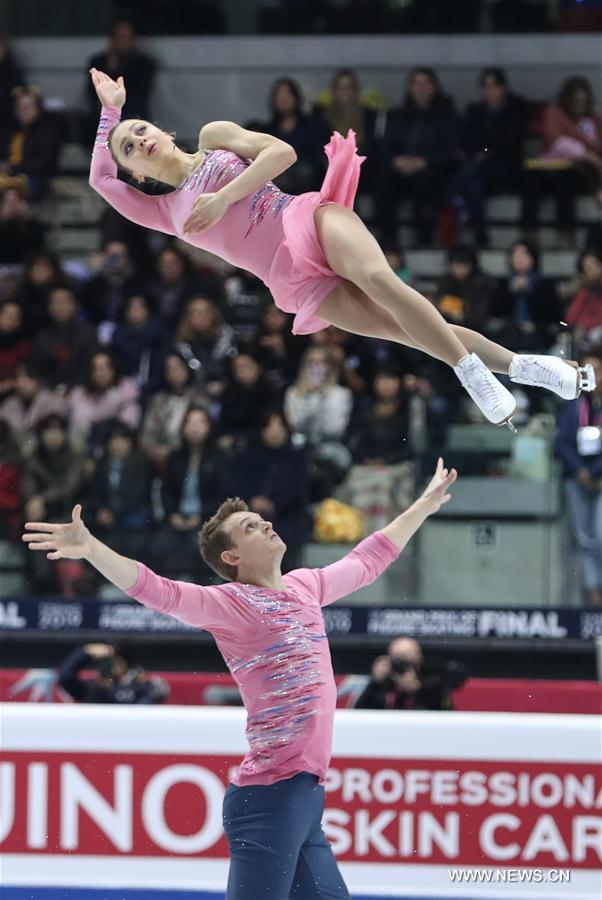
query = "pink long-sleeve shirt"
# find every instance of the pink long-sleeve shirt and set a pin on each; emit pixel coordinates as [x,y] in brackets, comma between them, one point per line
[275,646]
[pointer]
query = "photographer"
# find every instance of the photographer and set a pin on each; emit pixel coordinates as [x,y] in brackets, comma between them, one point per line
[117,680]
[399,680]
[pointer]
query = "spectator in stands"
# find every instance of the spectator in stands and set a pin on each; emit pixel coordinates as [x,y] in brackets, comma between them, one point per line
[172,284]
[579,448]
[11,474]
[348,353]
[246,299]
[319,408]
[422,149]
[122,57]
[398,680]
[118,499]
[11,76]
[41,273]
[15,347]
[20,231]
[465,294]
[206,341]
[139,342]
[29,146]
[191,490]
[163,419]
[305,133]
[271,476]
[526,309]
[52,480]
[494,132]
[584,314]
[105,294]
[278,349]
[117,679]
[572,132]
[30,402]
[62,349]
[248,392]
[379,433]
[104,395]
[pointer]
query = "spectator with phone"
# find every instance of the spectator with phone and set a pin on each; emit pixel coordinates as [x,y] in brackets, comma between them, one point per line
[117,679]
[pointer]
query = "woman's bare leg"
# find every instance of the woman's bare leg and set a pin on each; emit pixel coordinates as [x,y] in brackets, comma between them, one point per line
[355,255]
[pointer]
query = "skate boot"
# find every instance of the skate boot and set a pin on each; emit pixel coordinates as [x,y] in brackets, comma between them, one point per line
[494,400]
[552,373]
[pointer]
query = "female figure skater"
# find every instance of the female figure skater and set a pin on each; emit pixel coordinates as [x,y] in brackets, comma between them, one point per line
[270,631]
[312,251]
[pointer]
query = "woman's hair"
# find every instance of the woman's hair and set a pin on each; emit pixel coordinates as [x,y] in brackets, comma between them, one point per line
[531,248]
[10,450]
[184,332]
[117,162]
[182,359]
[351,74]
[295,90]
[462,253]
[214,538]
[29,368]
[496,73]
[34,257]
[266,415]
[88,380]
[302,385]
[567,93]
[49,421]
[115,428]
[589,251]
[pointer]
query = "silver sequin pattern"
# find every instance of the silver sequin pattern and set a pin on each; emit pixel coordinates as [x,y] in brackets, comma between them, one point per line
[289,667]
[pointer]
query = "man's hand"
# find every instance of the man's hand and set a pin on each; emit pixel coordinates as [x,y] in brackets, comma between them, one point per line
[109,92]
[206,211]
[70,541]
[436,494]
[381,668]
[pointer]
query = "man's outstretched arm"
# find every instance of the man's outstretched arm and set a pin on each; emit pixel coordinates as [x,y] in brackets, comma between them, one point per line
[375,553]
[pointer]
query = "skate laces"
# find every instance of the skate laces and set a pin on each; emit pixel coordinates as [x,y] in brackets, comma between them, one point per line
[485,384]
[547,373]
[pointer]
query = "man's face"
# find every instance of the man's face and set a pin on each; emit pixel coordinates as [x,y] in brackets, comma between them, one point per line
[256,544]
[61,305]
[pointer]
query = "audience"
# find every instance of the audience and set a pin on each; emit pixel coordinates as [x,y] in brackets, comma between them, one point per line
[584,314]
[62,349]
[104,295]
[104,395]
[378,434]
[20,231]
[29,402]
[579,448]
[11,475]
[206,341]
[15,347]
[139,343]
[247,394]
[117,677]
[464,295]
[41,273]
[11,76]
[191,490]
[173,282]
[29,145]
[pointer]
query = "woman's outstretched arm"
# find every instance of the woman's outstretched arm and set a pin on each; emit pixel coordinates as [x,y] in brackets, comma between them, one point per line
[131,203]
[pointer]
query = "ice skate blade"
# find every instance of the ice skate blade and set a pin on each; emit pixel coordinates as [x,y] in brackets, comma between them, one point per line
[510,424]
[586,378]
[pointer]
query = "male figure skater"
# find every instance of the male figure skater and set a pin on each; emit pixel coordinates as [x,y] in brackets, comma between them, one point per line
[270,631]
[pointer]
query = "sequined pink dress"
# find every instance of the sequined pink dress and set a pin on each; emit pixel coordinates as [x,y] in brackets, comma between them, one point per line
[269,233]
[276,648]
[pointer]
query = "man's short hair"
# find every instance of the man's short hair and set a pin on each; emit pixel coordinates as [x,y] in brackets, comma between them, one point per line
[214,538]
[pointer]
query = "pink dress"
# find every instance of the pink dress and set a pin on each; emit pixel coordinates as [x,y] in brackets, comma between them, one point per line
[269,233]
[276,648]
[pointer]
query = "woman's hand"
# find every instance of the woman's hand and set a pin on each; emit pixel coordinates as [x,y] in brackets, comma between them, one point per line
[109,92]
[206,211]
[436,492]
[70,541]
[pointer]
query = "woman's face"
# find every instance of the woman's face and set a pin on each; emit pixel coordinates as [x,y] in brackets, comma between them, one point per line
[494,93]
[11,318]
[245,369]
[120,445]
[103,372]
[196,427]
[171,267]
[579,101]
[274,320]
[53,436]
[284,100]
[26,385]
[422,89]
[521,260]
[387,387]
[592,268]
[42,272]
[274,434]
[27,110]
[176,373]
[137,312]
[344,91]
[141,147]
[200,315]
[316,369]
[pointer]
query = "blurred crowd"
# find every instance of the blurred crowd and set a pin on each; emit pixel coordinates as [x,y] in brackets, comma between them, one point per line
[148,384]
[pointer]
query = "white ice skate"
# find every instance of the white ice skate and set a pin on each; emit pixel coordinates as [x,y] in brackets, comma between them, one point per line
[494,400]
[552,373]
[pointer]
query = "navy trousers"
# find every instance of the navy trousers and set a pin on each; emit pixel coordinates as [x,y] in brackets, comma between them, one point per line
[277,847]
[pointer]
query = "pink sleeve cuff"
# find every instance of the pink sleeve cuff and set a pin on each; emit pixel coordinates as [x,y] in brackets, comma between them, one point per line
[387,544]
[140,582]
